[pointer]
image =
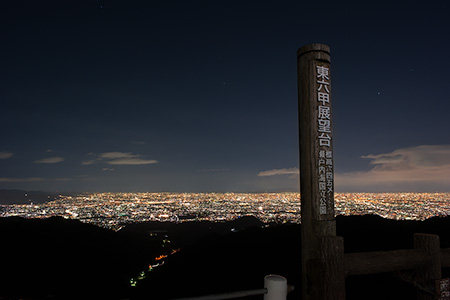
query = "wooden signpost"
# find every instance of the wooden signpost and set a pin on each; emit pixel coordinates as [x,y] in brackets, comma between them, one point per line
[324,263]
[316,158]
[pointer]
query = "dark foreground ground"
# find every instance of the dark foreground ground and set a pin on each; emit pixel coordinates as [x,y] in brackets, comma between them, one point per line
[66,259]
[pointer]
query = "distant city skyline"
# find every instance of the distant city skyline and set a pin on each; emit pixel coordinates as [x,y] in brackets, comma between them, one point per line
[188,97]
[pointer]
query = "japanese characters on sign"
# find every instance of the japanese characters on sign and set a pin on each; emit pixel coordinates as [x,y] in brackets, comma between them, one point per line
[325,159]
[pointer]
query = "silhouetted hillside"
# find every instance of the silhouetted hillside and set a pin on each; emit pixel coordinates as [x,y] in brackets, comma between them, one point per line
[25,197]
[240,260]
[187,233]
[57,258]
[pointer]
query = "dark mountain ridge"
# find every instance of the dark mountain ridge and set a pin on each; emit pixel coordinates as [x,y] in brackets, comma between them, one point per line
[65,259]
[240,260]
[57,258]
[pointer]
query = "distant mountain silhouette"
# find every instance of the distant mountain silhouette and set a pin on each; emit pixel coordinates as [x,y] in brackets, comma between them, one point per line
[25,197]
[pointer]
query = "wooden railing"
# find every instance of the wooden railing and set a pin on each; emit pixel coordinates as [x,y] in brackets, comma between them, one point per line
[425,262]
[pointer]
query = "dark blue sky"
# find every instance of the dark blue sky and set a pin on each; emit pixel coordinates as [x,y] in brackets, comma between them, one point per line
[202,96]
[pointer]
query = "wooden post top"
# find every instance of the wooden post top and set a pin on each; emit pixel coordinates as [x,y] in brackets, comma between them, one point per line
[314,48]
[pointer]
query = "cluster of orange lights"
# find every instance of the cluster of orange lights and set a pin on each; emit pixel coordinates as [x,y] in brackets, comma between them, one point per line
[160,257]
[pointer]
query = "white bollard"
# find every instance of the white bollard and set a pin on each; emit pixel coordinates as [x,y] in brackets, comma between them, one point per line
[276,286]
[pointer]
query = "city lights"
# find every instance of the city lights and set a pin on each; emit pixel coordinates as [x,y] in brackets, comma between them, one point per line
[114,210]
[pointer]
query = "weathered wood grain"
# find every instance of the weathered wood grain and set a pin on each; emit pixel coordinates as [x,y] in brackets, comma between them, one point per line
[428,274]
[314,223]
[362,263]
[332,273]
[445,257]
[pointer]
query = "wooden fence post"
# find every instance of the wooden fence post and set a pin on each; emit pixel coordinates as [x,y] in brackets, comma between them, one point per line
[332,262]
[427,275]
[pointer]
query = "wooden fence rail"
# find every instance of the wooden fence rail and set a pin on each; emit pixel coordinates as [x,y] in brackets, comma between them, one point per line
[385,261]
[425,261]
[445,257]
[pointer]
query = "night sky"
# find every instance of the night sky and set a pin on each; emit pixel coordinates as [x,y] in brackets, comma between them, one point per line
[202,95]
